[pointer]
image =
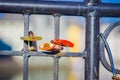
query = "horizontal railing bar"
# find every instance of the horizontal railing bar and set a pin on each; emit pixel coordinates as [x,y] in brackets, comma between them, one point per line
[74,54]
[45,54]
[11,53]
[39,7]
[53,7]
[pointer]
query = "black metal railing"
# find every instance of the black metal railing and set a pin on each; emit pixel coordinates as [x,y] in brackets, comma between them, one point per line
[92,10]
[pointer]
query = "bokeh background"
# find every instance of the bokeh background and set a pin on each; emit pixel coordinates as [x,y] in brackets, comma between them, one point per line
[41,68]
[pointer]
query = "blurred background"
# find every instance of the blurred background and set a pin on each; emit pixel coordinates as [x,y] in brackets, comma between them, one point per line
[41,68]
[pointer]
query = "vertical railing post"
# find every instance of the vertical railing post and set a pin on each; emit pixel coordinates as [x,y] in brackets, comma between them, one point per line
[92,46]
[56,36]
[56,67]
[56,26]
[92,2]
[92,42]
[26,29]
[25,56]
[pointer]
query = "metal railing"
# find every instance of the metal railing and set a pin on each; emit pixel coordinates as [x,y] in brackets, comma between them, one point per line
[92,10]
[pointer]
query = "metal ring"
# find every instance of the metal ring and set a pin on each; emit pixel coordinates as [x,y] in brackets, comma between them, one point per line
[102,55]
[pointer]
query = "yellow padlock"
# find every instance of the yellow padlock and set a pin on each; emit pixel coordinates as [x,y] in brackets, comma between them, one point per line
[32,40]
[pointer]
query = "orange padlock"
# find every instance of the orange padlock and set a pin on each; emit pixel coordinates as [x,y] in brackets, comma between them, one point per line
[50,47]
[115,78]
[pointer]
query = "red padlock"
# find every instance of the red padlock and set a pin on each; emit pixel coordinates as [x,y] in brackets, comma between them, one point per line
[61,42]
